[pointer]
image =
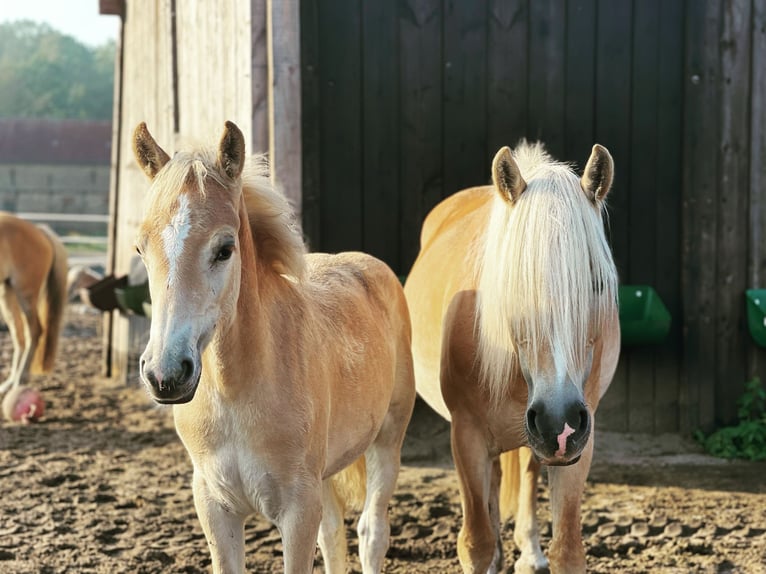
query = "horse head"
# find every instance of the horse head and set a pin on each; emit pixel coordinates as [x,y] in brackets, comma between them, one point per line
[559,283]
[191,244]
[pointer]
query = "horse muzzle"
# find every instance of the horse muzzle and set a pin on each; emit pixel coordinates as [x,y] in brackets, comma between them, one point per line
[558,434]
[173,382]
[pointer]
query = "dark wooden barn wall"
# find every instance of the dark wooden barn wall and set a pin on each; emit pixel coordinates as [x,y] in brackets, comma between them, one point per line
[405,102]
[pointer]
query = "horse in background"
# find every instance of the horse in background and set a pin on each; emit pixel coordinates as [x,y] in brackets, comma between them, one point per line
[33,291]
[283,368]
[513,300]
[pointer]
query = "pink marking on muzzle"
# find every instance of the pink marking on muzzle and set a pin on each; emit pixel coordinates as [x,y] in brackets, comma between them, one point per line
[562,438]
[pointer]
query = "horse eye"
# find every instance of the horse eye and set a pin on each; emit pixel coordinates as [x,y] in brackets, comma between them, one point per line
[138,250]
[224,253]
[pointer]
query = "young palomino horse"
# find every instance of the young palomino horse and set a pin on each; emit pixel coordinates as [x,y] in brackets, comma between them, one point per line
[33,270]
[515,339]
[283,367]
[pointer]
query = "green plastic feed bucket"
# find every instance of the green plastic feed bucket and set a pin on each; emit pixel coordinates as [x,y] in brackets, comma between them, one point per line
[132,297]
[756,315]
[644,319]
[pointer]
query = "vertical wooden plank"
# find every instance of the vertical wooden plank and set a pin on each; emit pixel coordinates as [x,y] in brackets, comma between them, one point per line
[612,129]
[147,96]
[420,84]
[259,75]
[115,188]
[465,95]
[215,68]
[643,197]
[757,211]
[310,115]
[341,137]
[380,123]
[668,212]
[507,75]
[699,240]
[579,79]
[732,339]
[546,74]
[284,26]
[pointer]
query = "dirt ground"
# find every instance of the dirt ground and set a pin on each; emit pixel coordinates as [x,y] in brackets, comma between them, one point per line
[102,485]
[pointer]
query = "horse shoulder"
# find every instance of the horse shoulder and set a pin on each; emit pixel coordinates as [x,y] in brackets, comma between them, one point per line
[459,373]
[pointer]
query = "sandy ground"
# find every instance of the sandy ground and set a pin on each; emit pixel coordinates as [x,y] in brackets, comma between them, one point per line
[102,485]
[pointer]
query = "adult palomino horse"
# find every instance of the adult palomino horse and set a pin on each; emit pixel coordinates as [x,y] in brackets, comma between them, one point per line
[515,339]
[33,274]
[283,367]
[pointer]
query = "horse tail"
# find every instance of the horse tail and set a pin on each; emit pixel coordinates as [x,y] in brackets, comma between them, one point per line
[350,485]
[51,306]
[510,484]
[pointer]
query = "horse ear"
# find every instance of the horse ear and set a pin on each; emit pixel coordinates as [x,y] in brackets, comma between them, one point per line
[506,176]
[150,156]
[231,151]
[597,178]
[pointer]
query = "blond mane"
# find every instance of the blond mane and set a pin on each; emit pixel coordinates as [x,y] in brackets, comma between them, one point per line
[546,275]
[276,235]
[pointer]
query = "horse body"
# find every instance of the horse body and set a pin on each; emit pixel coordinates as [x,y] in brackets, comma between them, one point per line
[502,351]
[33,273]
[284,368]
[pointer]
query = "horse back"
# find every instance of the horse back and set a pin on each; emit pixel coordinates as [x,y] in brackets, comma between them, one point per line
[348,279]
[362,321]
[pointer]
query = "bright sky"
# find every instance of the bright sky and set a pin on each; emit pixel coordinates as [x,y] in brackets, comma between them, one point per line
[78,18]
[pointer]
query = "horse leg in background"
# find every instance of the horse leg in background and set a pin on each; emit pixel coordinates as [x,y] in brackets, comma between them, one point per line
[12,317]
[567,483]
[332,530]
[526,532]
[224,530]
[32,332]
[476,544]
[24,327]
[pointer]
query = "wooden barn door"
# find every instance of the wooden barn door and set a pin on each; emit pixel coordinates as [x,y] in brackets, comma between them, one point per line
[405,102]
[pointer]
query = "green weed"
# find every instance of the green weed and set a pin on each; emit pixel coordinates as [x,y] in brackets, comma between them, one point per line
[747,439]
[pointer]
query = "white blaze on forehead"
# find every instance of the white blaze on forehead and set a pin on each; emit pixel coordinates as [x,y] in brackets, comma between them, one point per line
[174,234]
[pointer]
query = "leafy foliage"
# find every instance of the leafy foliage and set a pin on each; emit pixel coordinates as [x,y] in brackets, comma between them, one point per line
[748,438]
[47,74]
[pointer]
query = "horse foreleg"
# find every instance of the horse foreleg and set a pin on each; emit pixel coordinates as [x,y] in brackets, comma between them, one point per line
[298,523]
[494,516]
[224,530]
[332,531]
[526,533]
[567,483]
[477,541]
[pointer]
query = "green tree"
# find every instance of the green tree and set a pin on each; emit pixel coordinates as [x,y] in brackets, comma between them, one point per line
[47,74]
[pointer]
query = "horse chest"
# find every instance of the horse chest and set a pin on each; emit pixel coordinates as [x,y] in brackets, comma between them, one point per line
[240,481]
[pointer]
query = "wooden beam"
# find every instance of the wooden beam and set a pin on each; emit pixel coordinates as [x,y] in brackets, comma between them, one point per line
[285,146]
[111,8]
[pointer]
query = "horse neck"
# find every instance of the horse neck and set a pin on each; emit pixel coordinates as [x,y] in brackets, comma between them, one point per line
[243,349]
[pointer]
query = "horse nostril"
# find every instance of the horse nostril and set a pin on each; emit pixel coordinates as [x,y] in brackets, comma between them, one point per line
[584,418]
[532,420]
[187,368]
[152,378]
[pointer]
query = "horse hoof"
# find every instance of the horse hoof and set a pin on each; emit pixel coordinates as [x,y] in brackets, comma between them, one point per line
[524,567]
[23,404]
